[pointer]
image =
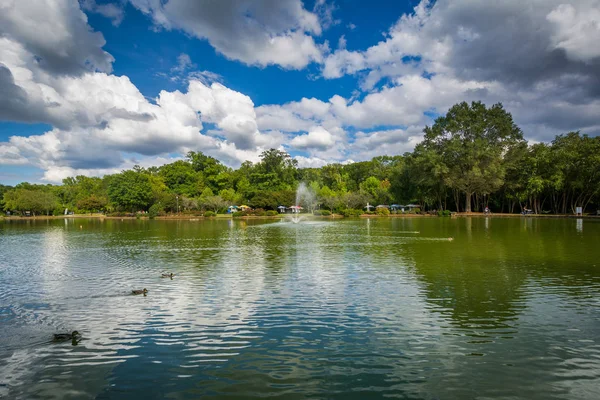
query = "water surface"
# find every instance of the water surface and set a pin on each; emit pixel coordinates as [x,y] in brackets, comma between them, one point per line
[350,309]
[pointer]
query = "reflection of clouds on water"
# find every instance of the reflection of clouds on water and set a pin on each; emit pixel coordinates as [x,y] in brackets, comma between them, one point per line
[278,306]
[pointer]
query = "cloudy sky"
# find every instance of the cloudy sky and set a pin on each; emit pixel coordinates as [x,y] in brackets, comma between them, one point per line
[91,87]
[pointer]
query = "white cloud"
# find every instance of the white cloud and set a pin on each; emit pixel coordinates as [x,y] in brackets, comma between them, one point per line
[184,62]
[386,142]
[98,118]
[431,59]
[56,33]
[577,30]
[256,33]
[317,138]
[310,162]
[110,11]
[342,42]
[541,61]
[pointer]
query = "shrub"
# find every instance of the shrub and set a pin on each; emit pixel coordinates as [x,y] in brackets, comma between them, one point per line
[351,213]
[155,210]
[383,211]
[238,214]
[210,214]
[415,210]
[272,213]
[324,213]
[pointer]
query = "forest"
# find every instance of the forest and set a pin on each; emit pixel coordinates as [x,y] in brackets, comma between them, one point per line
[472,157]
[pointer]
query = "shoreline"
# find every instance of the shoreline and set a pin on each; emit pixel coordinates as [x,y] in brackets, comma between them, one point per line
[274,217]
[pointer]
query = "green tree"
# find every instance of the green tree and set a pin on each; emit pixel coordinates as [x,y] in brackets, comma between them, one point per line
[471,141]
[276,171]
[131,190]
[92,203]
[3,189]
[180,177]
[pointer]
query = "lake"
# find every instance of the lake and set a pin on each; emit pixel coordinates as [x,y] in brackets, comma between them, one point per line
[331,309]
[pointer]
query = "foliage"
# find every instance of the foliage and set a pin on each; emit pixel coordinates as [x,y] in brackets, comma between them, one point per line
[382,211]
[210,214]
[131,190]
[92,203]
[444,213]
[323,213]
[214,203]
[472,157]
[351,212]
[271,213]
[155,210]
[470,142]
[34,201]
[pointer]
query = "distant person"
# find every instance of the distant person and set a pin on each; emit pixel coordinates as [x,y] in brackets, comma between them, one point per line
[487,210]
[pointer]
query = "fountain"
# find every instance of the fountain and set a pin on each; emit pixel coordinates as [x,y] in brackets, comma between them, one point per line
[306,197]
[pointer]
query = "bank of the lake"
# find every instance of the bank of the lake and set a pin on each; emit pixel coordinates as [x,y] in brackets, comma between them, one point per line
[200,217]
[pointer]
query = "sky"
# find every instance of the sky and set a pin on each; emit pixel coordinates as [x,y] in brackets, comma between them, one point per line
[92,87]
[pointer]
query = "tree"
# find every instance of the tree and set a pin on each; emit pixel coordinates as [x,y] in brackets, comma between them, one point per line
[275,171]
[471,141]
[131,190]
[92,203]
[209,166]
[230,196]
[3,189]
[329,198]
[355,200]
[215,203]
[36,201]
[180,177]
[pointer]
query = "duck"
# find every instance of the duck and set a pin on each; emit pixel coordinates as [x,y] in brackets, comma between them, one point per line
[63,337]
[143,291]
[169,275]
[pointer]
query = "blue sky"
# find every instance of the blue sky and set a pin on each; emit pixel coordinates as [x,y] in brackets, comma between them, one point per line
[92,86]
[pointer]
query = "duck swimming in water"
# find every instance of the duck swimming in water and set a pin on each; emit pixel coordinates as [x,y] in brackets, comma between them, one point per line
[169,275]
[144,291]
[63,337]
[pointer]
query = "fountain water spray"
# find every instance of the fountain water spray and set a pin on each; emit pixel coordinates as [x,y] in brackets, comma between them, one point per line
[305,197]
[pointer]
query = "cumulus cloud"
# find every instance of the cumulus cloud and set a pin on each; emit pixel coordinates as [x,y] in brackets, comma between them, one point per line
[541,61]
[14,102]
[262,33]
[56,33]
[367,145]
[317,138]
[118,119]
[97,118]
[577,30]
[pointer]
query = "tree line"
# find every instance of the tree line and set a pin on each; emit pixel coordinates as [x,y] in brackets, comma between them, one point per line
[471,158]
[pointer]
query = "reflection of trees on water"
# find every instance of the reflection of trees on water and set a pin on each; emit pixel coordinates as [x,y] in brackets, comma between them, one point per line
[483,277]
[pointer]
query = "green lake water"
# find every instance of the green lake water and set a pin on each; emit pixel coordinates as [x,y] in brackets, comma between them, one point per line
[346,309]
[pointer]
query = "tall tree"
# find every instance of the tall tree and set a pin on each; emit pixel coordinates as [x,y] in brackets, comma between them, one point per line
[471,141]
